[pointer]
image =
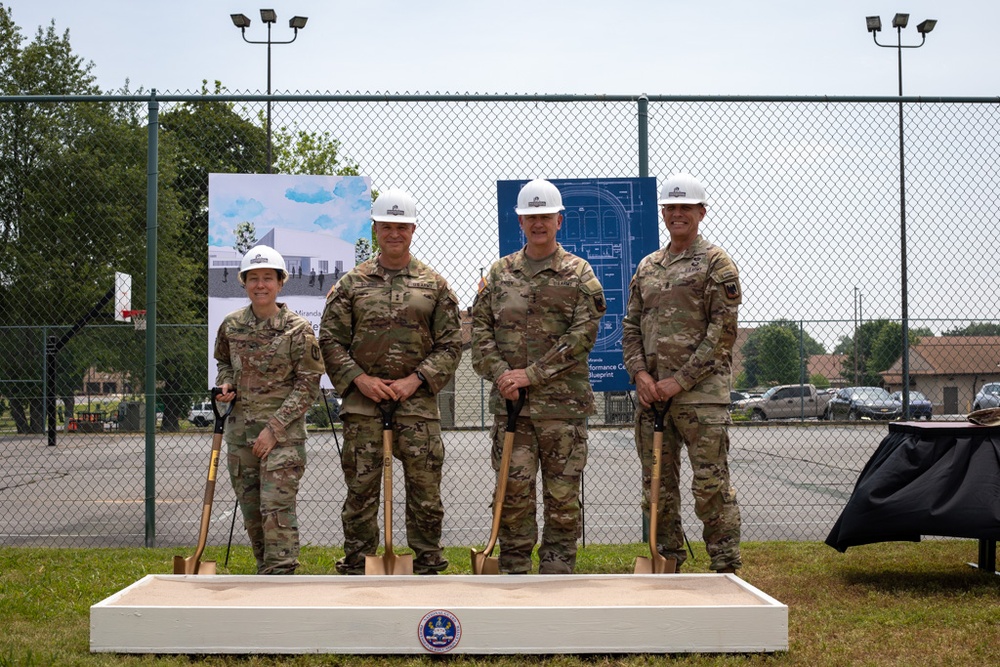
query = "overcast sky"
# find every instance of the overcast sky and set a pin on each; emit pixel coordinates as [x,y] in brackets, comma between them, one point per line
[658,47]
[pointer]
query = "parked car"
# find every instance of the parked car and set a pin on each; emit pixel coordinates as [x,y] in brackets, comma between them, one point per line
[856,403]
[735,396]
[988,397]
[201,414]
[919,405]
[788,401]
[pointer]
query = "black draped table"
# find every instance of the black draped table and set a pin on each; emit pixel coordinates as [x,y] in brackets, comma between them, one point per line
[931,478]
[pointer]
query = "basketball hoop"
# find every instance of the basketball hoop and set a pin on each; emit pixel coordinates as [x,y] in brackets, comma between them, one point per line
[138,318]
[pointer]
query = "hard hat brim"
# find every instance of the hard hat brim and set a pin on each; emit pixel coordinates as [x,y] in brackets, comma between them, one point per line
[394,218]
[539,210]
[680,200]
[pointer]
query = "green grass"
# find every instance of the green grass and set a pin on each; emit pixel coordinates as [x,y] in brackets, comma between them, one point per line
[887,604]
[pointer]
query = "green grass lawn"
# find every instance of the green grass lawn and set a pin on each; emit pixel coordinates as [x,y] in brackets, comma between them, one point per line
[888,604]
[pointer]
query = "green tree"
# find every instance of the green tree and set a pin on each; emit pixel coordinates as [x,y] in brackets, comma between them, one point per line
[809,344]
[975,329]
[771,366]
[197,139]
[880,345]
[246,237]
[819,380]
[771,356]
[67,181]
[302,152]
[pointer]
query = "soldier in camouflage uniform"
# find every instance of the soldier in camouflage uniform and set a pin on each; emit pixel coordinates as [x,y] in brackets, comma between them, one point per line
[677,342]
[269,362]
[534,323]
[391,332]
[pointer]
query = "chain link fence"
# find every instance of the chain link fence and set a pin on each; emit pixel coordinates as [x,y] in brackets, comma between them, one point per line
[804,194]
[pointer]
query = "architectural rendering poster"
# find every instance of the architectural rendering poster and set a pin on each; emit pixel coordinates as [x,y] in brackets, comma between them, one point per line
[315,223]
[612,223]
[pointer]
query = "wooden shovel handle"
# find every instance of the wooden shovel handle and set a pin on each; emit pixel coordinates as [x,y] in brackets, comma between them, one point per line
[387,409]
[513,411]
[213,471]
[654,482]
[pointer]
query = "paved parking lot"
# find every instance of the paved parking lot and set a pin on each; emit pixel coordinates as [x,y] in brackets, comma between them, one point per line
[89,490]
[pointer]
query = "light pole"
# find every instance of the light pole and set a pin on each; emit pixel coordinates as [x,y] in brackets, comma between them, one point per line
[874,25]
[857,309]
[269,17]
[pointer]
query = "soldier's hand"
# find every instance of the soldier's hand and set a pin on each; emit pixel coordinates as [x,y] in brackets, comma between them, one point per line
[667,389]
[264,443]
[645,389]
[228,393]
[374,388]
[510,381]
[405,387]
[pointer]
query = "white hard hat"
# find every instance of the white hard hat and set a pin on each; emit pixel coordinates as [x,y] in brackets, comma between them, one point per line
[395,205]
[682,189]
[263,257]
[539,197]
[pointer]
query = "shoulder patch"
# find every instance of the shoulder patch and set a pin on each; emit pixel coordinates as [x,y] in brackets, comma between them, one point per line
[732,289]
[600,303]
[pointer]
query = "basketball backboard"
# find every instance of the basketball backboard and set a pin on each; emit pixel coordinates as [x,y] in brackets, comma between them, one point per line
[123,296]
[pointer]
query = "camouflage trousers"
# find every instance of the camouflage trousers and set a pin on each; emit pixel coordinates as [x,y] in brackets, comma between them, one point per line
[704,431]
[559,449]
[266,489]
[417,445]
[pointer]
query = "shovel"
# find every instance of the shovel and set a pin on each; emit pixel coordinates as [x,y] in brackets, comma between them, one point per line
[191,565]
[388,562]
[656,563]
[482,561]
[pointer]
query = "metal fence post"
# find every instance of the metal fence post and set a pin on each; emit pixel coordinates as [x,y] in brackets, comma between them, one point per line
[49,389]
[643,135]
[152,171]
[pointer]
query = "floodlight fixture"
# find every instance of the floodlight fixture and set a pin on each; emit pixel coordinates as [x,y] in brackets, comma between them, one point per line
[874,24]
[269,17]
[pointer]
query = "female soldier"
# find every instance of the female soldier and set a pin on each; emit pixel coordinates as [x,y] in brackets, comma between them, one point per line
[269,362]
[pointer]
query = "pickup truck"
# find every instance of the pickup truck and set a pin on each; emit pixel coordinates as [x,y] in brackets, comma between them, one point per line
[787,401]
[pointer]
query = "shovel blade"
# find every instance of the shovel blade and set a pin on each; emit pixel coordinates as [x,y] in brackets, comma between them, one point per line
[206,567]
[402,564]
[192,565]
[655,565]
[389,563]
[484,564]
[374,565]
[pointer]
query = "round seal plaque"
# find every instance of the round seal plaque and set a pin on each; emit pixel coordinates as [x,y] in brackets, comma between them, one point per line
[439,631]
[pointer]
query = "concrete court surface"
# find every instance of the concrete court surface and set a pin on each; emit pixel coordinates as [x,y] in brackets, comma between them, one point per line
[792,478]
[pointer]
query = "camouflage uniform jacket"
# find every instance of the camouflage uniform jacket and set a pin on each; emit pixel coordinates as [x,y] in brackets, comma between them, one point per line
[389,329]
[544,323]
[681,321]
[275,366]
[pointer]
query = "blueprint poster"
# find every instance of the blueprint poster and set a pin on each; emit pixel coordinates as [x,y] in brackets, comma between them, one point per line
[612,223]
